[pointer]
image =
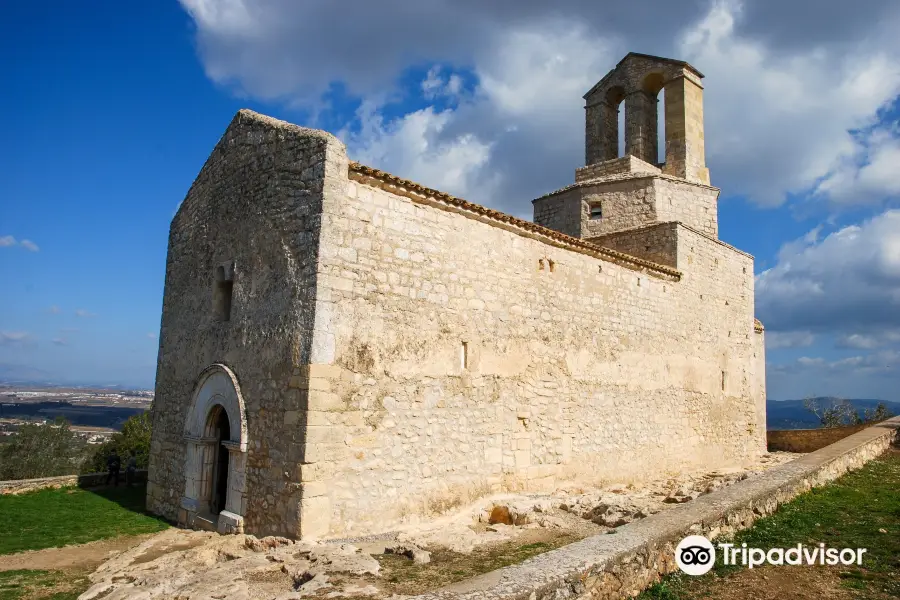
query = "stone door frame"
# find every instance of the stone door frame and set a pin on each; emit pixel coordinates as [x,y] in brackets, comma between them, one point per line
[216,386]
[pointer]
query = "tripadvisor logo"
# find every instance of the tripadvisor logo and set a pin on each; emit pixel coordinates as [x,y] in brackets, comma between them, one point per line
[695,555]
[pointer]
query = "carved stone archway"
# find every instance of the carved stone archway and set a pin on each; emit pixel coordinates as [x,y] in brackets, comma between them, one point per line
[217,390]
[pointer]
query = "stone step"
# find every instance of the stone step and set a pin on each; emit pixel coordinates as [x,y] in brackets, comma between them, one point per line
[205,522]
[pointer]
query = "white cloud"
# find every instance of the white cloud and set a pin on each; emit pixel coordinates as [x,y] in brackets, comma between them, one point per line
[8,241]
[886,362]
[60,342]
[151,336]
[14,337]
[435,85]
[84,314]
[778,122]
[410,145]
[54,310]
[868,175]
[869,341]
[777,110]
[847,283]
[789,339]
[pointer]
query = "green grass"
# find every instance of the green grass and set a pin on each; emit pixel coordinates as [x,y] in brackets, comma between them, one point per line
[847,513]
[50,585]
[52,518]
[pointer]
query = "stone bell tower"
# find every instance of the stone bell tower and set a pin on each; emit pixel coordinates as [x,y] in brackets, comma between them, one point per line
[636,81]
[640,189]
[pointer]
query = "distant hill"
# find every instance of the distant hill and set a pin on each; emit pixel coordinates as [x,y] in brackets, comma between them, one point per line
[791,414]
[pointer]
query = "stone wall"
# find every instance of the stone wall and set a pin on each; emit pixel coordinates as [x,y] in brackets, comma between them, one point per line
[256,208]
[459,366]
[625,164]
[561,212]
[689,203]
[657,242]
[89,480]
[807,440]
[627,201]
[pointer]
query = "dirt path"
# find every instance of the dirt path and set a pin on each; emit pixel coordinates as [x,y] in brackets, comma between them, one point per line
[81,556]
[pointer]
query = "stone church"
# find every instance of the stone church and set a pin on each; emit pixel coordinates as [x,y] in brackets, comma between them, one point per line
[342,350]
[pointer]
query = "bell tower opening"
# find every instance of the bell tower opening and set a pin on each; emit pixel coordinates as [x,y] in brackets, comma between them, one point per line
[663,116]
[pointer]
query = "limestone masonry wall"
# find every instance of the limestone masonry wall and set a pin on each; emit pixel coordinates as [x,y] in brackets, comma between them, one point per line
[808,440]
[468,358]
[256,209]
[624,164]
[692,204]
[657,242]
[561,212]
[627,203]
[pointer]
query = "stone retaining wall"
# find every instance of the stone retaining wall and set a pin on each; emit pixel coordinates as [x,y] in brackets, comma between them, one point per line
[808,440]
[620,566]
[21,486]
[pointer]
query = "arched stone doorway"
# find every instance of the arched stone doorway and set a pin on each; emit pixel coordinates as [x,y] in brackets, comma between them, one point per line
[215,435]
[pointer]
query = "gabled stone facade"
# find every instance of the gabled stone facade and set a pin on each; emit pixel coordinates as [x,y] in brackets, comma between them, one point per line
[343,350]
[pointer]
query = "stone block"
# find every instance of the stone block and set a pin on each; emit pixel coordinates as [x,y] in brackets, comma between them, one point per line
[229,523]
[312,489]
[315,517]
[321,371]
[324,401]
[324,434]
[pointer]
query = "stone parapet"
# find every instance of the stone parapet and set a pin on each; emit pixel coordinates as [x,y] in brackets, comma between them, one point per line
[22,486]
[808,440]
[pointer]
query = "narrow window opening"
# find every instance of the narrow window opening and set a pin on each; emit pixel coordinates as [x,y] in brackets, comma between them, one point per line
[596,212]
[552,264]
[540,264]
[464,356]
[723,381]
[222,294]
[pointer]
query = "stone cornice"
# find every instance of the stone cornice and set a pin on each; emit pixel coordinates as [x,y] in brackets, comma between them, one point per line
[423,195]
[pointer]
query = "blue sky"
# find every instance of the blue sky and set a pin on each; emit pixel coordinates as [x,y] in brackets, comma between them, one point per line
[112,111]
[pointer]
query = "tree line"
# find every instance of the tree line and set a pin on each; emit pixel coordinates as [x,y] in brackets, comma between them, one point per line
[842,413]
[48,450]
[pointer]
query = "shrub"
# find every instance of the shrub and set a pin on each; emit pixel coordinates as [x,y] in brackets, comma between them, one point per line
[135,435]
[41,450]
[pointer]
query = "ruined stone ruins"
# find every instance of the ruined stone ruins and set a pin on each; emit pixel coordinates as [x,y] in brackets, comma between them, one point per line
[343,351]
